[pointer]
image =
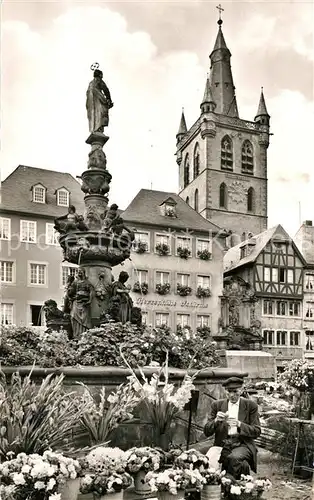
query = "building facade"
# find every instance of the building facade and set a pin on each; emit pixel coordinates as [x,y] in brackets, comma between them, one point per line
[272,265]
[176,267]
[31,266]
[304,239]
[222,158]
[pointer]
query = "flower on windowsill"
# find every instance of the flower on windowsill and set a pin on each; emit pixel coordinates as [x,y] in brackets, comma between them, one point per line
[203,292]
[183,252]
[162,249]
[170,212]
[140,246]
[163,289]
[140,288]
[183,290]
[204,254]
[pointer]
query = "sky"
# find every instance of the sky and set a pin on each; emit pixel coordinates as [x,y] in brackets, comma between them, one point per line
[155,58]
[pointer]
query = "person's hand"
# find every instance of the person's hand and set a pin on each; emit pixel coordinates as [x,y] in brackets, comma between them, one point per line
[221,416]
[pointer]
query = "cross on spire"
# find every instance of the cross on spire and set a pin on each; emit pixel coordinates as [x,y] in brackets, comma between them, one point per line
[220,9]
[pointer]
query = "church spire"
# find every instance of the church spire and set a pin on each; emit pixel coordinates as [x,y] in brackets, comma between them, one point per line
[182,127]
[222,86]
[208,105]
[262,110]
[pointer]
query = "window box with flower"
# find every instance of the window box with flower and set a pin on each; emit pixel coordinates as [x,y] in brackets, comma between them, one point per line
[162,249]
[183,290]
[170,212]
[203,292]
[140,246]
[184,252]
[140,287]
[204,254]
[163,289]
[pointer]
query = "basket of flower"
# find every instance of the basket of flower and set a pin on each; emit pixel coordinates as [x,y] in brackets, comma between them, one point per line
[40,477]
[192,459]
[212,487]
[105,473]
[139,461]
[247,488]
[172,483]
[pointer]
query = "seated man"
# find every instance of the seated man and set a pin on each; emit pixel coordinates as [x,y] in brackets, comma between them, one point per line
[235,423]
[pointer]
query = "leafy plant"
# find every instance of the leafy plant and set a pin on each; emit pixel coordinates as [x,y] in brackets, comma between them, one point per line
[184,252]
[203,292]
[162,249]
[163,289]
[140,246]
[204,254]
[34,419]
[183,290]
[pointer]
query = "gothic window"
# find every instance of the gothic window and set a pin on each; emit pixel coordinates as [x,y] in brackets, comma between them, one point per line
[250,200]
[226,153]
[196,200]
[196,161]
[186,180]
[247,161]
[223,195]
[187,200]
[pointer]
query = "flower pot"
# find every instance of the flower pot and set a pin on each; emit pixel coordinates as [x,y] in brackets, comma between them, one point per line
[112,496]
[166,495]
[140,487]
[211,492]
[71,489]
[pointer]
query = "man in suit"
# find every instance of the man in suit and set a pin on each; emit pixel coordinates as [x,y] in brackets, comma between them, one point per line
[235,423]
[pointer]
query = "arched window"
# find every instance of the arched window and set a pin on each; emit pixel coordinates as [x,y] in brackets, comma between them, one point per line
[187,200]
[186,179]
[196,161]
[250,199]
[247,158]
[226,153]
[196,200]
[223,195]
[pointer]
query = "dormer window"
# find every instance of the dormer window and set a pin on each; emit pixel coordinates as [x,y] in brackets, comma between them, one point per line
[168,208]
[63,197]
[39,194]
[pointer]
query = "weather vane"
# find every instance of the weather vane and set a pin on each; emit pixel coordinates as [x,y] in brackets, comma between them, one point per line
[219,7]
[94,66]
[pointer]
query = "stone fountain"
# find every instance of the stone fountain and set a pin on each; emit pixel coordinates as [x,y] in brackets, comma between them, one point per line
[97,240]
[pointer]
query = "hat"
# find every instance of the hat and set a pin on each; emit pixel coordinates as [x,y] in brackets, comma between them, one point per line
[233,383]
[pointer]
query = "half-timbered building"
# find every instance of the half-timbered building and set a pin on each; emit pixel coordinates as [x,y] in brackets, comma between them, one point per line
[272,266]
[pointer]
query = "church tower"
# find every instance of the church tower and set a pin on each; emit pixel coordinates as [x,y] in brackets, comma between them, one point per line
[222,158]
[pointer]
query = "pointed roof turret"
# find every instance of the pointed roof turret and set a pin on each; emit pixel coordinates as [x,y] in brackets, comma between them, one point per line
[208,104]
[182,127]
[222,86]
[262,110]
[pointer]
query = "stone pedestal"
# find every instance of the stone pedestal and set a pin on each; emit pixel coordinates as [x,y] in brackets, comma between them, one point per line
[258,364]
[101,298]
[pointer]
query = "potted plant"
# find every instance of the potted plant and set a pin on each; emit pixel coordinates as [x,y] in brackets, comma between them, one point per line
[183,290]
[204,254]
[203,292]
[184,252]
[163,289]
[140,288]
[162,249]
[139,461]
[140,246]
[172,483]
[212,487]
[104,473]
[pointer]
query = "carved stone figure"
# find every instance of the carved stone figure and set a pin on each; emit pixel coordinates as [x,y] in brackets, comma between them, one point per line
[81,225]
[120,229]
[97,158]
[98,103]
[102,293]
[81,292]
[67,222]
[93,218]
[68,299]
[136,316]
[51,310]
[112,213]
[56,320]
[121,302]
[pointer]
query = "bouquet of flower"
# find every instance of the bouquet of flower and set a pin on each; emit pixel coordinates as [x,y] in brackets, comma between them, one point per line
[173,480]
[102,484]
[162,400]
[100,418]
[192,459]
[298,373]
[247,488]
[145,458]
[28,475]
[212,476]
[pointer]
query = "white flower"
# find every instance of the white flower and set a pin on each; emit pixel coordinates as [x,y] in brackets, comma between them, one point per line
[249,487]
[25,469]
[39,485]
[55,496]
[235,490]
[51,483]
[18,478]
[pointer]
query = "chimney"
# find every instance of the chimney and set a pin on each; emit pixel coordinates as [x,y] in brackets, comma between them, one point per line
[308,223]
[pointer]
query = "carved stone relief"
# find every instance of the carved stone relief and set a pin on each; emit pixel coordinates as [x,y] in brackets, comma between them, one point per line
[237,192]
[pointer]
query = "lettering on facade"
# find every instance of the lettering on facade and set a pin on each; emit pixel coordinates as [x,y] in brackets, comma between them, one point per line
[171,303]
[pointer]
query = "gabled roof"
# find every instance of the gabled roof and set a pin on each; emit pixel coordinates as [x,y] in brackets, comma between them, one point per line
[232,259]
[144,209]
[169,201]
[16,195]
